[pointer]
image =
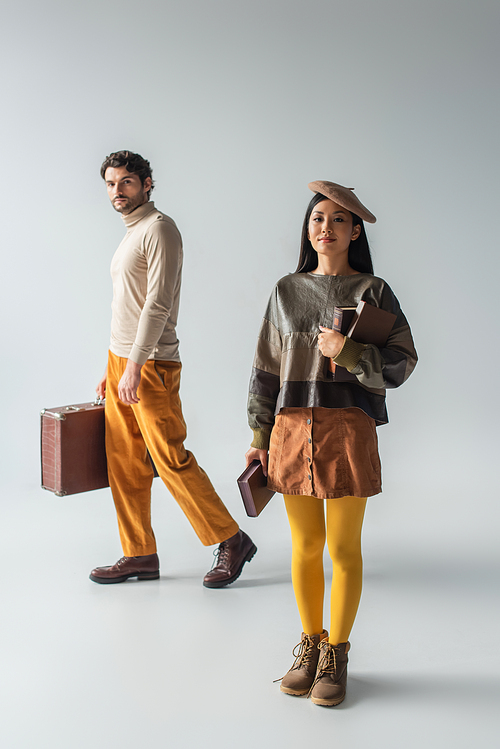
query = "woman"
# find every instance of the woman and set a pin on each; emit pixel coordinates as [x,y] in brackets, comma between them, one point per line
[318,423]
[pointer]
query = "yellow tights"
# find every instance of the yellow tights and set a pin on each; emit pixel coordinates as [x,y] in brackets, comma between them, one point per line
[344,520]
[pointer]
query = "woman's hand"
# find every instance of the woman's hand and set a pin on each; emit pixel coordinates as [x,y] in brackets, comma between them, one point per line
[330,342]
[254,454]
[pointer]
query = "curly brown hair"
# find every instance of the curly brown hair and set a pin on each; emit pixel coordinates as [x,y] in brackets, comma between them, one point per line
[133,163]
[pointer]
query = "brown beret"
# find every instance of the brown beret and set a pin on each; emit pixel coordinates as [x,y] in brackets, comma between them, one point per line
[344,196]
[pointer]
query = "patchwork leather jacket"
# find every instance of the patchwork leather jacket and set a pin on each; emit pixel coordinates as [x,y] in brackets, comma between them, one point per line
[290,371]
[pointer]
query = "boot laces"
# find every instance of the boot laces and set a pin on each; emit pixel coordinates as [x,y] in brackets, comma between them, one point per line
[327,663]
[303,653]
[221,554]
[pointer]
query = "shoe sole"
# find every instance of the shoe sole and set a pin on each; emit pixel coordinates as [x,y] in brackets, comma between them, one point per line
[293,692]
[223,583]
[326,703]
[111,580]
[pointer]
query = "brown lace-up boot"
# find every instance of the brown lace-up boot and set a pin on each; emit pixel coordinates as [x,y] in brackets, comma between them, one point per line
[299,678]
[329,686]
[231,556]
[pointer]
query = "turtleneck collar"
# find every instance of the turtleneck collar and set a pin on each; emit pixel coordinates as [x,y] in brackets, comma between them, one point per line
[130,219]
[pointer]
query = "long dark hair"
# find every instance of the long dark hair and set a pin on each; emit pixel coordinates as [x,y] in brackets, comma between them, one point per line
[359,256]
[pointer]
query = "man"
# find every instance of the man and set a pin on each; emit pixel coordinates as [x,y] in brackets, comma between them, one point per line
[141,386]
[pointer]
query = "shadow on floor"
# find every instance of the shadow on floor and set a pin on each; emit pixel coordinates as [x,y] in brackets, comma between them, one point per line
[424,689]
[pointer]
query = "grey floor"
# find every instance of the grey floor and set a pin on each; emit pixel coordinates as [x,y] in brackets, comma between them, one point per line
[169,663]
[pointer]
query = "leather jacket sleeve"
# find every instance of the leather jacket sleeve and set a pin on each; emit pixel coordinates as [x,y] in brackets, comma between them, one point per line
[387,367]
[265,379]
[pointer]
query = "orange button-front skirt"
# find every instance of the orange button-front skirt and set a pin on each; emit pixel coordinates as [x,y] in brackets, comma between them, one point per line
[325,453]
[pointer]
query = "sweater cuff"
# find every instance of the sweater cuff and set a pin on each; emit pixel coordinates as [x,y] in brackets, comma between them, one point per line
[138,356]
[261,439]
[350,354]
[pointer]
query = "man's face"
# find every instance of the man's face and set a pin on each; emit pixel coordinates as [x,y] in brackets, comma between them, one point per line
[125,190]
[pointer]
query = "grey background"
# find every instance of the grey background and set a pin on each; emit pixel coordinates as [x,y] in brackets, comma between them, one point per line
[238,106]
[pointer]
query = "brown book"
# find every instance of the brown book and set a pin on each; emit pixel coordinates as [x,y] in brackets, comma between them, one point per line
[253,487]
[342,318]
[364,324]
[371,325]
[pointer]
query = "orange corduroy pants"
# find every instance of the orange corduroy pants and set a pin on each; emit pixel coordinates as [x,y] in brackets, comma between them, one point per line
[156,424]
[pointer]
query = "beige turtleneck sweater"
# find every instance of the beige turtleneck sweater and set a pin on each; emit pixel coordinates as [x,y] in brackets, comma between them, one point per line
[146,274]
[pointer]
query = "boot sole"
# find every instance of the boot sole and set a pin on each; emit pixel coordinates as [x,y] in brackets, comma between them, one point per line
[326,703]
[222,583]
[294,692]
[122,578]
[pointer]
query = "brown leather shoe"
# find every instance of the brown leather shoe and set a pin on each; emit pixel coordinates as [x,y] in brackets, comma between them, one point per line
[299,679]
[329,686]
[230,556]
[143,568]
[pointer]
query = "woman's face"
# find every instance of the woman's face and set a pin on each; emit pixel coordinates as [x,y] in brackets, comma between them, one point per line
[330,229]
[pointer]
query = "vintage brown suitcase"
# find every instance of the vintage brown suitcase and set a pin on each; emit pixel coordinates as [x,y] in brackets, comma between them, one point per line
[73,450]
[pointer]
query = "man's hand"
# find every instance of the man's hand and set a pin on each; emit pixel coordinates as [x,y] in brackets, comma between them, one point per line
[330,342]
[101,387]
[256,454]
[127,387]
